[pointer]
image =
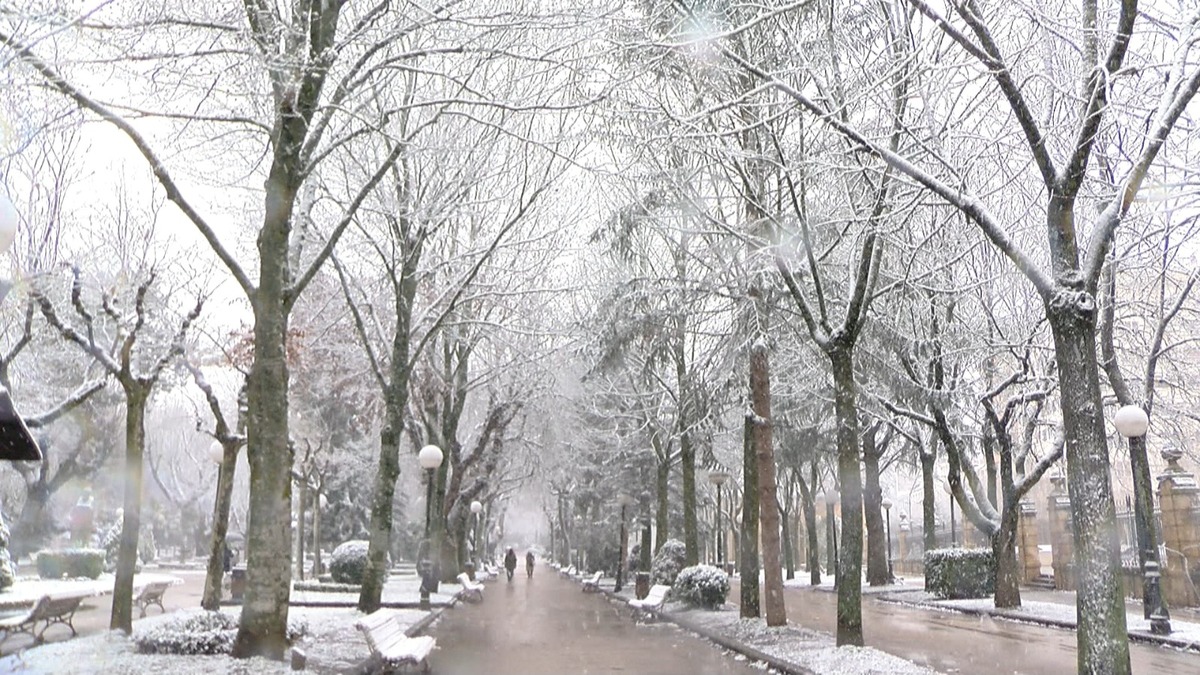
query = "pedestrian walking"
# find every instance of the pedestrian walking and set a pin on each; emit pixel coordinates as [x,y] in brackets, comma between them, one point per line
[529,563]
[510,562]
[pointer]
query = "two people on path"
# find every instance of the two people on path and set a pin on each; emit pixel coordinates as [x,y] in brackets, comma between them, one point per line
[510,562]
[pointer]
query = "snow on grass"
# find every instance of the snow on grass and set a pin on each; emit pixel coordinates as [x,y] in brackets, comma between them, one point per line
[1035,611]
[27,590]
[813,650]
[331,642]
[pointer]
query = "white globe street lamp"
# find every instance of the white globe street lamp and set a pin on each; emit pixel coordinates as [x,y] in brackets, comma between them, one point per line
[1132,422]
[718,478]
[476,509]
[216,453]
[430,458]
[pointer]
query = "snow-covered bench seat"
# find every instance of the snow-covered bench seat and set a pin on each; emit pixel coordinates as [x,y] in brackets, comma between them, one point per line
[592,585]
[388,643]
[472,591]
[653,601]
[152,594]
[567,572]
[48,610]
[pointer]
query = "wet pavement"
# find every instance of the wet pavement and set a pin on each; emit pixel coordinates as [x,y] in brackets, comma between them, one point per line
[951,642]
[547,625]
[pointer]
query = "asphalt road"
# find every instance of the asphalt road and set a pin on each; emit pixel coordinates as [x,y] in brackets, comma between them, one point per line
[547,625]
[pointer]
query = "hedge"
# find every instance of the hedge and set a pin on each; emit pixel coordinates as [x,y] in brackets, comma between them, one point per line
[74,562]
[960,573]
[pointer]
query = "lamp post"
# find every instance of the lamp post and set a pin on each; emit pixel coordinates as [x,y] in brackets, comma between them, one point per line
[322,504]
[624,500]
[1132,422]
[476,509]
[887,509]
[430,458]
[831,500]
[953,531]
[718,478]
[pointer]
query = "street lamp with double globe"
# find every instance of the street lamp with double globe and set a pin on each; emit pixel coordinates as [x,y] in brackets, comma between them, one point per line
[1132,422]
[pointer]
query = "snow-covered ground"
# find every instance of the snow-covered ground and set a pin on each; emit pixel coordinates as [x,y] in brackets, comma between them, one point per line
[331,642]
[1065,613]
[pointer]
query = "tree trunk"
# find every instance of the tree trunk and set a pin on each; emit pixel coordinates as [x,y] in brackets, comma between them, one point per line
[789,549]
[262,630]
[663,484]
[383,497]
[877,567]
[768,500]
[301,509]
[928,498]
[748,537]
[1103,642]
[211,600]
[814,548]
[1008,571]
[135,442]
[691,535]
[849,568]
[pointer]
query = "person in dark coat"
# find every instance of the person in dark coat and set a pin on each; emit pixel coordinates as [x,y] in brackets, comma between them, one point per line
[510,562]
[529,558]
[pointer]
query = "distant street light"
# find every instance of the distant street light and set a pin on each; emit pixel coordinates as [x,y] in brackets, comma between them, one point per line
[718,478]
[624,500]
[1132,422]
[887,508]
[476,509]
[216,453]
[831,500]
[953,532]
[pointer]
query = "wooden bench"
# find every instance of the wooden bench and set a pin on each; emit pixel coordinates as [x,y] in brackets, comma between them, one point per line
[472,591]
[48,610]
[592,585]
[152,594]
[568,572]
[652,603]
[388,642]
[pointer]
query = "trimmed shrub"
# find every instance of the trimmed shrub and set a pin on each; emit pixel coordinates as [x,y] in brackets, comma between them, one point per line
[73,562]
[349,562]
[201,633]
[204,633]
[701,586]
[960,573]
[668,562]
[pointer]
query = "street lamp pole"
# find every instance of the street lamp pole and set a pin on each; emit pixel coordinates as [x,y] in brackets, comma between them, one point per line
[953,530]
[1132,422]
[831,500]
[887,509]
[430,458]
[625,500]
[16,443]
[476,509]
[718,478]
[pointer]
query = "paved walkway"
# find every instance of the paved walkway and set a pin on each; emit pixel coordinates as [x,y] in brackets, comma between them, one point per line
[547,625]
[951,642]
